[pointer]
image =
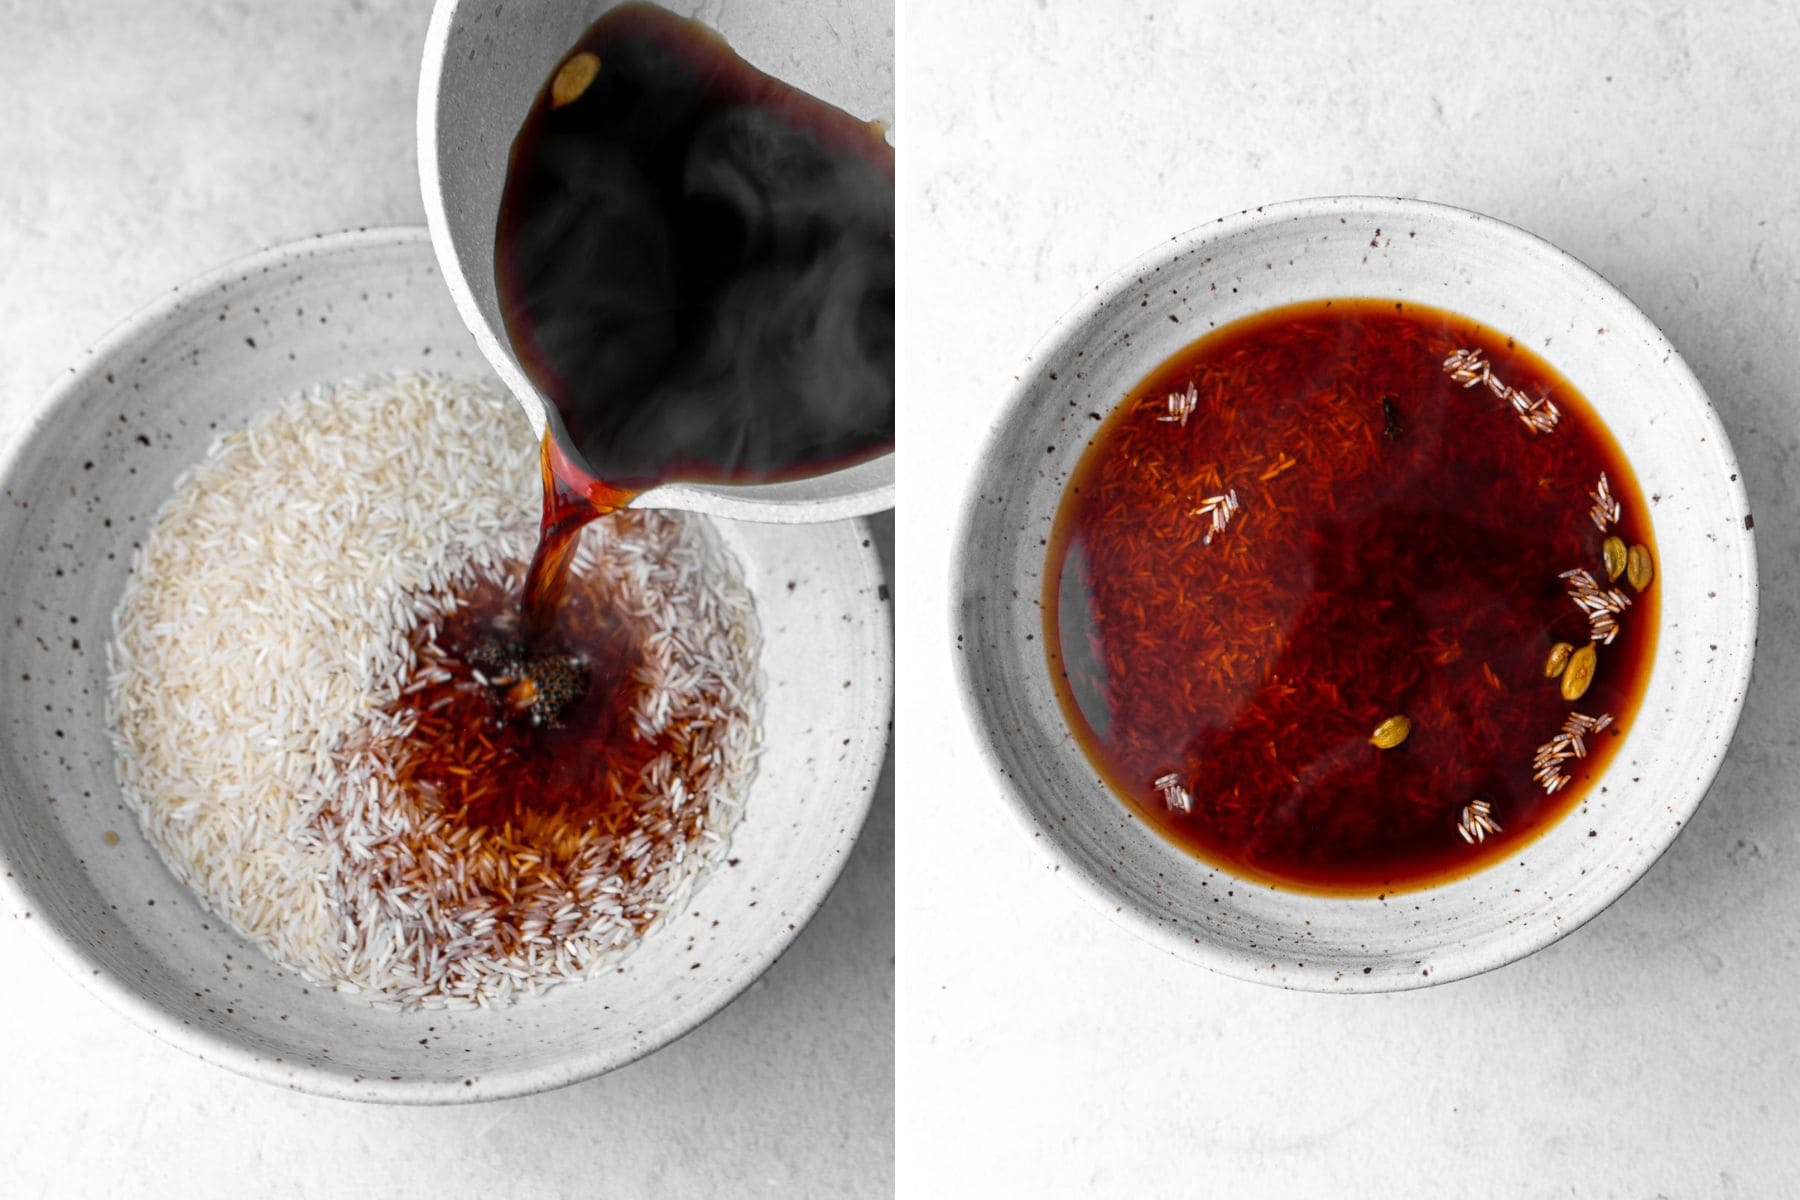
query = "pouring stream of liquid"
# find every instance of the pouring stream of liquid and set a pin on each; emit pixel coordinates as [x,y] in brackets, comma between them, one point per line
[572,498]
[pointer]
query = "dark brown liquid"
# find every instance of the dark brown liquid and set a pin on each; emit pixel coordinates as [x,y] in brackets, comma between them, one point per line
[1397,551]
[696,264]
[485,766]
[571,500]
[508,817]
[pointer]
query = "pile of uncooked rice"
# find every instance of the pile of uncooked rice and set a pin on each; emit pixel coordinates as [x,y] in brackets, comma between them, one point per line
[265,635]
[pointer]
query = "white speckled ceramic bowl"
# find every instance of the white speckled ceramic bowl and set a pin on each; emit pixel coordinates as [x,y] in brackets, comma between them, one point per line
[81,483]
[484,63]
[1406,250]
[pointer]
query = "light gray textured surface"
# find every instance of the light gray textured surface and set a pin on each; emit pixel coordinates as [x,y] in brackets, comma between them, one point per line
[1045,1051]
[144,143]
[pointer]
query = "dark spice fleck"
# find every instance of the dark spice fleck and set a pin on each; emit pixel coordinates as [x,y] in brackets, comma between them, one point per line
[1391,428]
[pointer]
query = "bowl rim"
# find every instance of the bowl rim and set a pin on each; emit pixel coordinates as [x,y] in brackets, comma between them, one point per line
[1123,907]
[864,487]
[99,980]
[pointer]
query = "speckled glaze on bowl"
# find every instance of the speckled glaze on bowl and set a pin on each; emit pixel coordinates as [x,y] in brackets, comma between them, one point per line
[1407,250]
[84,479]
[484,63]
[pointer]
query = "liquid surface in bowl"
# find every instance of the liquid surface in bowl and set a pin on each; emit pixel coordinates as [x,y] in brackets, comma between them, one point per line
[468,756]
[1325,516]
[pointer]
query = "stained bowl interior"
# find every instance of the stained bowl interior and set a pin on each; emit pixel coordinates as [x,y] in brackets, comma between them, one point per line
[1405,250]
[485,61]
[82,483]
